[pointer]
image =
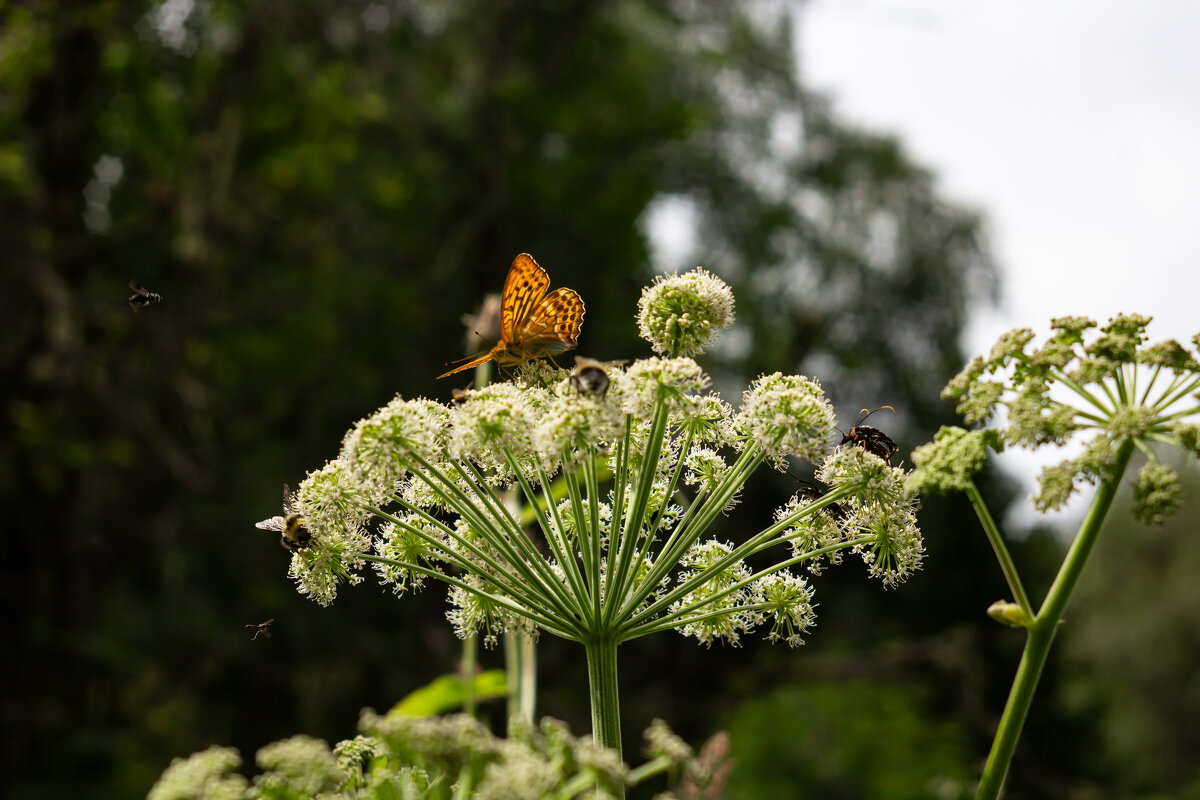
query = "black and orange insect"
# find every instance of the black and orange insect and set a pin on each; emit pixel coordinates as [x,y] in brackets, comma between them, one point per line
[873,440]
[815,491]
[532,323]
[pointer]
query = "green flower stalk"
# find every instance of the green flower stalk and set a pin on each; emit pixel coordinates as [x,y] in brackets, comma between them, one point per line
[416,490]
[1102,383]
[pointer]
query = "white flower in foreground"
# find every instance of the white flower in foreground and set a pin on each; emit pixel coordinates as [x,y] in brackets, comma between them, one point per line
[787,415]
[681,315]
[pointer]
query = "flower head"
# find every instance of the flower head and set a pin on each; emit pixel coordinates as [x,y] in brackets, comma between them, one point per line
[951,459]
[301,765]
[379,450]
[1156,493]
[673,380]
[681,315]
[476,611]
[207,775]
[873,480]
[719,612]
[496,419]
[786,415]
[573,424]
[815,530]
[788,606]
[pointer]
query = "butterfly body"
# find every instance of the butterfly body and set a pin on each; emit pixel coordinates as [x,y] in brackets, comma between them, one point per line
[532,323]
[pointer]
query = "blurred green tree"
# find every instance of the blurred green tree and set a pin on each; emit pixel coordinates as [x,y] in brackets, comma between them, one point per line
[318,191]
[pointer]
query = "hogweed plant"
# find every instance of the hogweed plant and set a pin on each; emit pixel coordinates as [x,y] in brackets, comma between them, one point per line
[1105,384]
[416,491]
[438,758]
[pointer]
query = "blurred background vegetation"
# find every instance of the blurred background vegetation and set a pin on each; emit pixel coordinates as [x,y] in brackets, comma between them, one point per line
[319,190]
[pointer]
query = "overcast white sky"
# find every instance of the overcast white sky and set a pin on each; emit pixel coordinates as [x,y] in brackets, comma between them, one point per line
[1074,125]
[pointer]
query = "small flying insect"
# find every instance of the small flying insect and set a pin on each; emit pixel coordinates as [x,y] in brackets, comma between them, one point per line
[141,297]
[293,535]
[262,627]
[459,396]
[590,376]
[873,440]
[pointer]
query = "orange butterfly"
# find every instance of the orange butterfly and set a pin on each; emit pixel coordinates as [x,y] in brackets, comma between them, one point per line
[532,323]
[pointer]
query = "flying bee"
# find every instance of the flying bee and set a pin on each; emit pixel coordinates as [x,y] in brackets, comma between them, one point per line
[873,440]
[262,627]
[459,396]
[590,376]
[293,535]
[141,297]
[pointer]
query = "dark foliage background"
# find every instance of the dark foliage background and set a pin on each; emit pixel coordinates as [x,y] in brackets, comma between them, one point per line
[319,190]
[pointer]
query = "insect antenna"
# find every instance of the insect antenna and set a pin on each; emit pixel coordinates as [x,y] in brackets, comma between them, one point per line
[862,415]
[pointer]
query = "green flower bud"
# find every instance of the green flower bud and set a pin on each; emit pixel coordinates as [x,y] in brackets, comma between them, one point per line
[1009,614]
[1156,493]
[1170,354]
[948,462]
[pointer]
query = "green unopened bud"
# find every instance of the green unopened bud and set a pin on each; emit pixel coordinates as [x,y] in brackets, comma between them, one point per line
[1009,614]
[1010,345]
[948,462]
[1156,493]
[1170,354]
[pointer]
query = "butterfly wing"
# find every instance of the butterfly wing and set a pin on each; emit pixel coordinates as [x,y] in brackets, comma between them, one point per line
[524,290]
[554,324]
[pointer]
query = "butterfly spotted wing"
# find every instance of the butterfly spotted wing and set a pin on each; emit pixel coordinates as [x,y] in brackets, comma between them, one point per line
[554,324]
[524,289]
[532,323]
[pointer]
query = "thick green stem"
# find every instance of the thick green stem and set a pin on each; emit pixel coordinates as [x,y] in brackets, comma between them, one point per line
[1041,633]
[470,649]
[602,682]
[520,662]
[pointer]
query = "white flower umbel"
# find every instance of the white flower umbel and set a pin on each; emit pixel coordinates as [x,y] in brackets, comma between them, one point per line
[787,415]
[681,315]
[586,515]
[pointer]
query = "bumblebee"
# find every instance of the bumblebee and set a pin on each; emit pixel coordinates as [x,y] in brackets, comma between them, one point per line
[873,440]
[141,297]
[591,376]
[262,627]
[293,535]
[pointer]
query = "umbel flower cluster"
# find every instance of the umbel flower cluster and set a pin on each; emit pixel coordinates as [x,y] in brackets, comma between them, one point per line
[1103,383]
[437,758]
[581,508]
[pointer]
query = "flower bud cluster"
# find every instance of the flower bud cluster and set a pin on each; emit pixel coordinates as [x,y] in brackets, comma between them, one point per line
[1113,375]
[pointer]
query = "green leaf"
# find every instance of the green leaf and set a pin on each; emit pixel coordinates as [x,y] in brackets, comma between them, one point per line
[446,694]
